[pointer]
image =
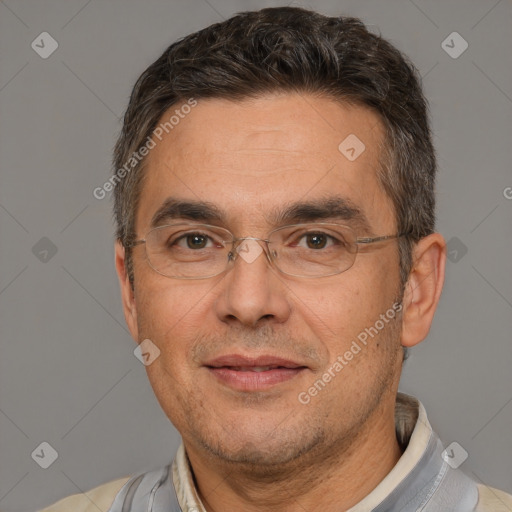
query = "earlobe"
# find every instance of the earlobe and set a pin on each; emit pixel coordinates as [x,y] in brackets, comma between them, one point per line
[127,293]
[423,289]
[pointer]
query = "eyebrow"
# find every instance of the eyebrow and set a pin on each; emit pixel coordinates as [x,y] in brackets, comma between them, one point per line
[334,208]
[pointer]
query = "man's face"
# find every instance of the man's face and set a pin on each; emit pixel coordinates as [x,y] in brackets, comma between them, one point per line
[252,159]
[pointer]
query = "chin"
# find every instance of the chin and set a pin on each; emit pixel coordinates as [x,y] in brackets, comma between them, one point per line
[267,449]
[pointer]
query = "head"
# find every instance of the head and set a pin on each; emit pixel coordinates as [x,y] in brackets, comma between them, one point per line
[246,117]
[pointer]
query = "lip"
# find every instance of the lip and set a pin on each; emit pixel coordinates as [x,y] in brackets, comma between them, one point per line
[239,372]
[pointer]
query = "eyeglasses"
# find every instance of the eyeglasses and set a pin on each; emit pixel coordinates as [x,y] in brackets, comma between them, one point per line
[200,251]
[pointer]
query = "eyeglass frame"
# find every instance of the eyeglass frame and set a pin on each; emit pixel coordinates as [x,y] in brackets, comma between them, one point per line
[235,240]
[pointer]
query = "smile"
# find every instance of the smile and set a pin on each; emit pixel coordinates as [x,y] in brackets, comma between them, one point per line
[243,373]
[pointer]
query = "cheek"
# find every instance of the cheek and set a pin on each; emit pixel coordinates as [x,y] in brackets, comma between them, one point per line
[172,315]
[165,305]
[338,309]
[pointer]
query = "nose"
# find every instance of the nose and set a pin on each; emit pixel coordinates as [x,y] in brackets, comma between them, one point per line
[252,291]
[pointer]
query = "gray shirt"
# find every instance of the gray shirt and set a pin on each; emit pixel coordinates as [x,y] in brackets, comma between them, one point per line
[427,477]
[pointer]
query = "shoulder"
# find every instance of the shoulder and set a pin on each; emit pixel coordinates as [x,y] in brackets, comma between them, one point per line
[99,498]
[493,500]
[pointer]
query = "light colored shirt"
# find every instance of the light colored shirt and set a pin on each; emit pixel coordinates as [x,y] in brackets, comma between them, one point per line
[426,478]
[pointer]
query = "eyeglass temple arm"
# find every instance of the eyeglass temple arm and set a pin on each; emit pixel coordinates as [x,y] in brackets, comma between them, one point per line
[369,240]
[134,243]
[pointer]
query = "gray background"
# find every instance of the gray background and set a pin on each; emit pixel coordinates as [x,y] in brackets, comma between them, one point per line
[67,369]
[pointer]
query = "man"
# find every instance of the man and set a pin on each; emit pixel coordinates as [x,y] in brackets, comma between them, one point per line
[277,256]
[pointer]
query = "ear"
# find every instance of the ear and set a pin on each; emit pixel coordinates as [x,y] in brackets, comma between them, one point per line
[127,293]
[423,288]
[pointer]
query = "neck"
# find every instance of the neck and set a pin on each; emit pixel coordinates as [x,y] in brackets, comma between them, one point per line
[332,479]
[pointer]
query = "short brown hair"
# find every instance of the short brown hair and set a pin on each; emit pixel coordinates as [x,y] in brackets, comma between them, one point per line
[296,50]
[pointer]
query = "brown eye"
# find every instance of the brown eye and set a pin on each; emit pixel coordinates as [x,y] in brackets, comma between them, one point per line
[196,241]
[193,241]
[316,240]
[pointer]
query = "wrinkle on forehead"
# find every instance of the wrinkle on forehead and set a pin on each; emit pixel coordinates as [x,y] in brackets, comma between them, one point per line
[249,156]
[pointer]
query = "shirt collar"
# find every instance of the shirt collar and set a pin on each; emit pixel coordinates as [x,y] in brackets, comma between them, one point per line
[413,432]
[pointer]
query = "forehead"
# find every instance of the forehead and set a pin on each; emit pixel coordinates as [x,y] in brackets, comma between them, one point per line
[248,157]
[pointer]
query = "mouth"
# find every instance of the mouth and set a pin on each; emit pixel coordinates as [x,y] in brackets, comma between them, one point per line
[243,373]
